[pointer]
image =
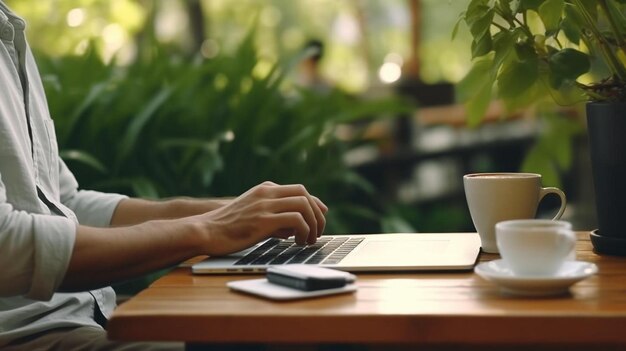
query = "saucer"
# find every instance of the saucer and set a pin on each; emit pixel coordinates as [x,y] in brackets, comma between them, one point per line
[497,271]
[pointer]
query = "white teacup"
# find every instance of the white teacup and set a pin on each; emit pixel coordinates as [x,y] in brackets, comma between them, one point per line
[496,197]
[535,247]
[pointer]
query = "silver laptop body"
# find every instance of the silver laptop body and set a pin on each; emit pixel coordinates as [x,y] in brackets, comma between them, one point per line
[356,253]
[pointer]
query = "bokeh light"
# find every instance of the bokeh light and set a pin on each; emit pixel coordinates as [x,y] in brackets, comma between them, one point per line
[210,48]
[389,72]
[75,17]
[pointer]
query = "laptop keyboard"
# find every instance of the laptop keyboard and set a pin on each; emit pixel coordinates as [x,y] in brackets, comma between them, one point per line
[327,250]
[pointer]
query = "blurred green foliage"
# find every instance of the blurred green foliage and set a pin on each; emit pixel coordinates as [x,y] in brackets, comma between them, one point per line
[359,35]
[173,126]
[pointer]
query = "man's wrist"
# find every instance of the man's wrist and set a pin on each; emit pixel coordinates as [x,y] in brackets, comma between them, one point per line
[198,234]
[185,207]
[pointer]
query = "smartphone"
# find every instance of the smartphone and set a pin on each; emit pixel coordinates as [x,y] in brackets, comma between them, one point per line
[308,277]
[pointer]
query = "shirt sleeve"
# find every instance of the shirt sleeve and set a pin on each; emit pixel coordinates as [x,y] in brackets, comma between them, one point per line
[92,208]
[35,251]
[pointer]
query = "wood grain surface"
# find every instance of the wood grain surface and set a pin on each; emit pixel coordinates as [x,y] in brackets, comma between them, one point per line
[432,308]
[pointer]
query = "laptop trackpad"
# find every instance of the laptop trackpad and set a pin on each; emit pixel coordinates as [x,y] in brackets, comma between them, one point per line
[397,252]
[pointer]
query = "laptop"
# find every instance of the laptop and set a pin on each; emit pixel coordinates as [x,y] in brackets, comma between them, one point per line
[356,253]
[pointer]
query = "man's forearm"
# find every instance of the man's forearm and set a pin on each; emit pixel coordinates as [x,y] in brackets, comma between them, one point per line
[135,211]
[103,256]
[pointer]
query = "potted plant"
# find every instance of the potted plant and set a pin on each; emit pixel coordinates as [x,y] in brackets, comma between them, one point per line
[570,50]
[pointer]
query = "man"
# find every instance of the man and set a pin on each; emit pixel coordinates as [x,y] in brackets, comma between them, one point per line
[309,74]
[61,247]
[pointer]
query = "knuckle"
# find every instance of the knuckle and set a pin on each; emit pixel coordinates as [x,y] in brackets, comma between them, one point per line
[262,190]
[302,221]
[303,200]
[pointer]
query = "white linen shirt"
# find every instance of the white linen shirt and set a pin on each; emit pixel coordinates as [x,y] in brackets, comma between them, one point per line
[36,239]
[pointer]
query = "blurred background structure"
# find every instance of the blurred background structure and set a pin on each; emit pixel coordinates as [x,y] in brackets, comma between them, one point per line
[159,98]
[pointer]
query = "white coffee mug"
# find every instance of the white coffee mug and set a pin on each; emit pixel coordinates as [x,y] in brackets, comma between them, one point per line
[534,247]
[497,197]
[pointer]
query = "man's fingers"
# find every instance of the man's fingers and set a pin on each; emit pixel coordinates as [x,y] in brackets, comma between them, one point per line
[292,222]
[324,210]
[299,190]
[284,233]
[298,204]
[321,205]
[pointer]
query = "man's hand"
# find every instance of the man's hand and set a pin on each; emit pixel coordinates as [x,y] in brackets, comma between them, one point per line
[102,256]
[266,210]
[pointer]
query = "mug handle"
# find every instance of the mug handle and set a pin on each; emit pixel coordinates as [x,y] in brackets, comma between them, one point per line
[551,190]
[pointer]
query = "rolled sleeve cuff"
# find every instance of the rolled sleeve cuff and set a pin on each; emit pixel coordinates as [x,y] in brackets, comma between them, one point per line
[53,241]
[94,208]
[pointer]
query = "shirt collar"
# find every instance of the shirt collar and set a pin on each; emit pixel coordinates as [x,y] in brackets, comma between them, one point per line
[9,15]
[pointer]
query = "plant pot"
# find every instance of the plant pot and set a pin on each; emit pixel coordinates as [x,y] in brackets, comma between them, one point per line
[606,123]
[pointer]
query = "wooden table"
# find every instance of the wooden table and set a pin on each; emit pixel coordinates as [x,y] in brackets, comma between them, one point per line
[441,310]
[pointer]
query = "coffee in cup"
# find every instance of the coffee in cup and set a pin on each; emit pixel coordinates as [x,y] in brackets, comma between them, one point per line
[532,247]
[497,197]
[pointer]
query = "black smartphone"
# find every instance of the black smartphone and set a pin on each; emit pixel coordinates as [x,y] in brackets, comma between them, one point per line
[308,277]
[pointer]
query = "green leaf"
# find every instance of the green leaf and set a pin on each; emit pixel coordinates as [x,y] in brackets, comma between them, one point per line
[455,29]
[562,132]
[477,106]
[552,153]
[525,51]
[616,12]
[480,25]
[517,76]
[476,10]
[530,5]
[144,188]
[475,79]
[571,25]
[211,146]
[503,44]
[550,12]
[505,7]
[529,96]
[475,90]
[538,161]
[95,93]
[360,211]
[294,140]
[478,18]
[482,46]
[396,224]
[130,139]
[567,64]
[591,7]
[85,158]
[208,165]
[359,182]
